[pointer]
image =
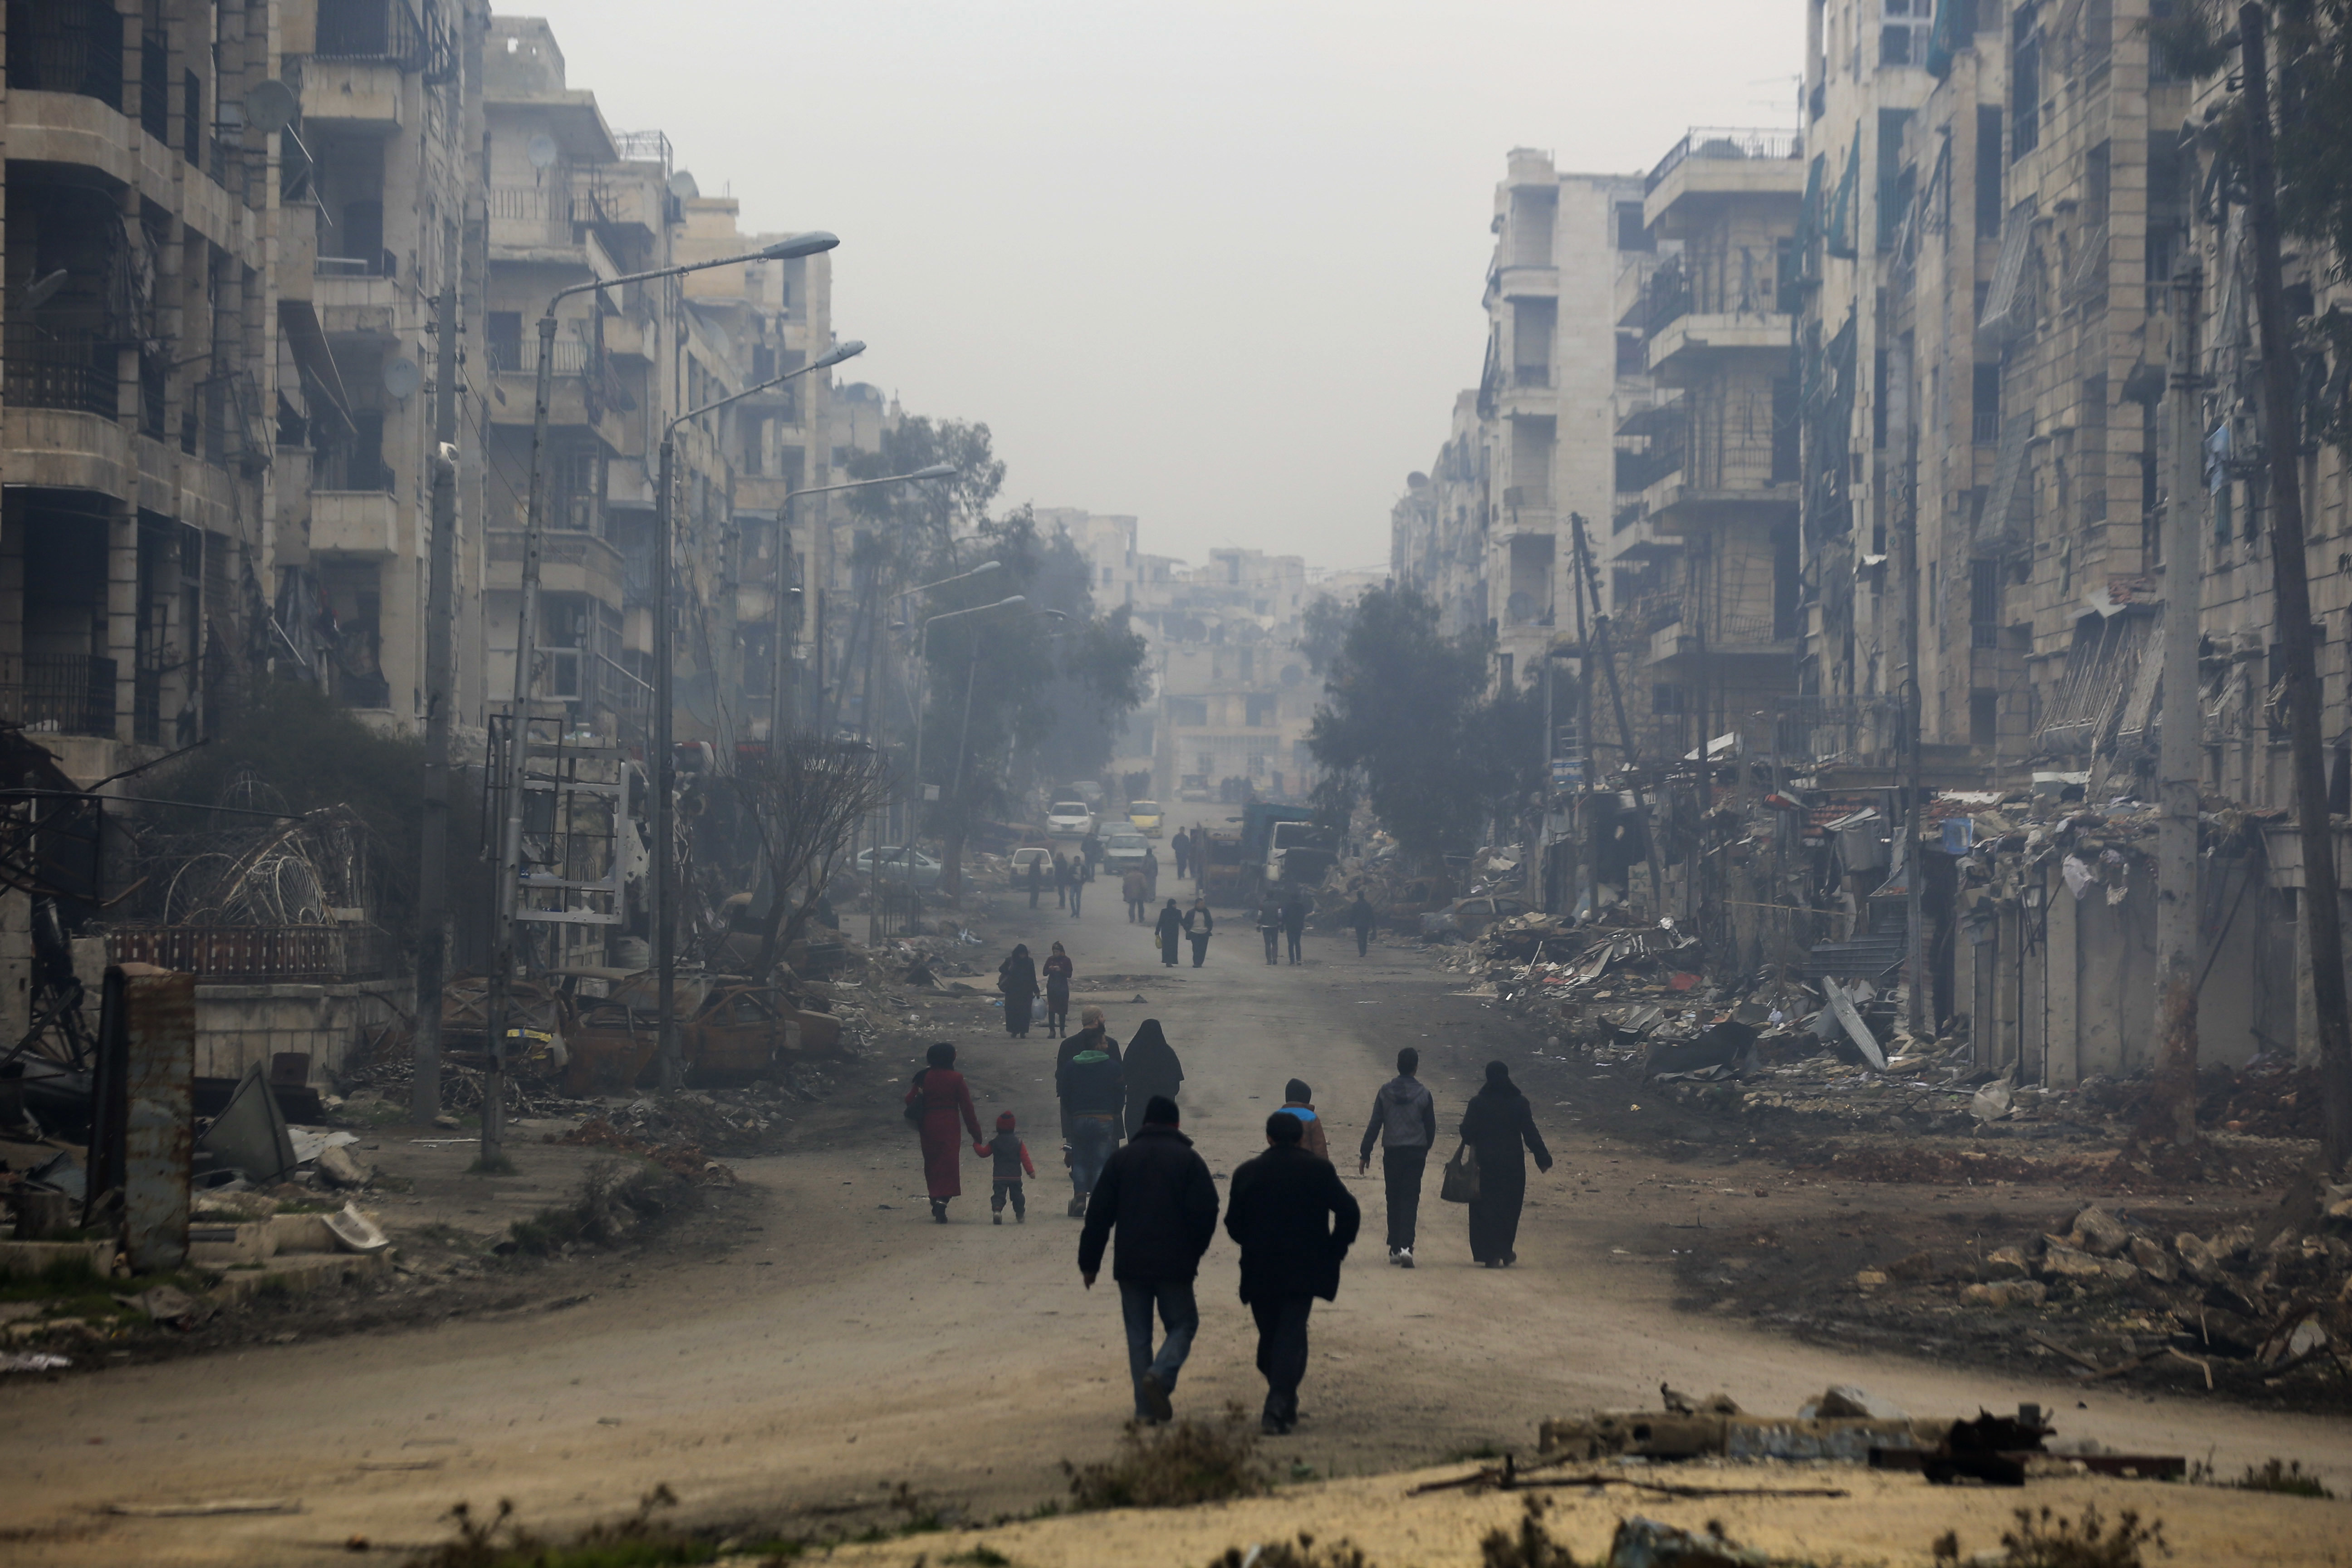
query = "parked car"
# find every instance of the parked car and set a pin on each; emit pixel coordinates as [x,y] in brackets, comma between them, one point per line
[891,865]
[1126,851]
[1144,816]
[1069,819]
[1089,791]
[1026,857]
[1466,918]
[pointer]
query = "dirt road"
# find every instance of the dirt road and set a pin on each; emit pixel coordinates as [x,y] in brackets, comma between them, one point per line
[845,1343]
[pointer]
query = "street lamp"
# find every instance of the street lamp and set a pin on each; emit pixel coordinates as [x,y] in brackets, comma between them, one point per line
[783,529]
[665,640]
[502,953]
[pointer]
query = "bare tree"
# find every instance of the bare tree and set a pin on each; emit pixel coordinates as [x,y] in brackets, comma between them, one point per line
[802,800]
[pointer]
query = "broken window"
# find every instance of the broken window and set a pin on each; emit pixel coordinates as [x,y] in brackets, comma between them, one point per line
[1984,603]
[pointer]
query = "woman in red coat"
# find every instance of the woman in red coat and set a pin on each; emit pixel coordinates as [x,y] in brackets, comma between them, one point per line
[938,1096]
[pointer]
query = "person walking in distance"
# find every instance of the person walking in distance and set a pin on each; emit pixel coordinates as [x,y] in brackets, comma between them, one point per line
[1294,921]
[1294,1220]
[1080,874]
[1170,927]
[1132,886]
[1153,1071]
[1158,1195]
[1036,880]
[1363,920]
[1269,926]
[1017,978]
[1093,1088]
[1012,1157]
[1405,1120]
[1199,926]
[936,1098]
[1061,881]
[1500,1127]
[1181,846]
[1059,971]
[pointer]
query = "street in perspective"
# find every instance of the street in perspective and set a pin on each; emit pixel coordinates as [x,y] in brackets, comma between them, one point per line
[1670,897]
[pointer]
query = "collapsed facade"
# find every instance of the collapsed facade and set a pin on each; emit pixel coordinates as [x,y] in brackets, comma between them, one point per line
[1904,695]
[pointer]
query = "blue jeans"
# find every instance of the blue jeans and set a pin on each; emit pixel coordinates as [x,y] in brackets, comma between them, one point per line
[1179,1314]
[1093,1139]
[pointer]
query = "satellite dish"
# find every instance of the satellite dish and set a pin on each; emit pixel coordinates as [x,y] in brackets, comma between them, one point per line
[541,151]
[402,378]
[683,186]
[272,106]
[43,289]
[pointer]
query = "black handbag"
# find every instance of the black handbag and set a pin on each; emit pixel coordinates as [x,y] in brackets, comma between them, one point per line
[1461,1183]
[914,1104]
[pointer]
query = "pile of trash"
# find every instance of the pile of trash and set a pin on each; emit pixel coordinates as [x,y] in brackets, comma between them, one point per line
[684,1159]
[2267,1308]
[751,1119]
[2268,1097]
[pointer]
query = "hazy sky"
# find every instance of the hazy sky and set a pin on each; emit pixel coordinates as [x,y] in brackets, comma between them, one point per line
[1214,263]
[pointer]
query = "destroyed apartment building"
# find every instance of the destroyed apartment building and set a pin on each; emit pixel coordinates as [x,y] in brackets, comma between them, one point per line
[1858,662]
[267,264]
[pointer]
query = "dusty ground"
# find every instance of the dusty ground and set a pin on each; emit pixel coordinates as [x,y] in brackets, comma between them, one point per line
[815,1341]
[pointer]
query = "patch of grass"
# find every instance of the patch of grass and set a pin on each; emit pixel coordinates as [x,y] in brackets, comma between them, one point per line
[1531,1545]
[2286,1475]
[67,1276]
[2047,1541]
[501,1542]
[1175,1466]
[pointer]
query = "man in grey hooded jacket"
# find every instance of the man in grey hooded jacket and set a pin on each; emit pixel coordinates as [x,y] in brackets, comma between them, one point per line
[1404,1122]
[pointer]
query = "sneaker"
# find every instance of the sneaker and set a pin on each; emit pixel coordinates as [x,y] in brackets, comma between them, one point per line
[996,1219]
[1155,1397]
[1394,1254]
[1078,1208]
[1404,1257]
[1272,1427]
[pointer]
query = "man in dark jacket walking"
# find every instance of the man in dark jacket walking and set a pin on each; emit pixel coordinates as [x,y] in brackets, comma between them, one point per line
[1363,919]
[1158,1194]
[1092,1086]
[1404,1119]
[1294,921]
[1294,1221]
[1269,926]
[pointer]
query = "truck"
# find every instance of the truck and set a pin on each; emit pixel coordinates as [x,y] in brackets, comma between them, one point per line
[1278,846]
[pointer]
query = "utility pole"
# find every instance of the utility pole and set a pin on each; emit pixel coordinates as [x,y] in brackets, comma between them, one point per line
[663,926]
[1591,792]
[2290,594]
[2172,1110]
[1617,701]
[1914,865]
[440,697]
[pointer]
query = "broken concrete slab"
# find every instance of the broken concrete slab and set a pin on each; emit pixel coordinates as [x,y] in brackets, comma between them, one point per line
[339,1169]
[2099,1233]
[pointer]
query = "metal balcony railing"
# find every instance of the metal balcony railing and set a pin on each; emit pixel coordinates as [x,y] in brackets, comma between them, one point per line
[383,31]
[66,46]
[1639,470]
[259,954]
[1709,141]
[76,373]
[1665,299]
[60,693]
[572,356]
[1531,376]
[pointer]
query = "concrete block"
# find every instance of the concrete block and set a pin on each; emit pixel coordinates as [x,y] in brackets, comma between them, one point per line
[298,1233]
[300,1274]
[24,1259]
[215,1245]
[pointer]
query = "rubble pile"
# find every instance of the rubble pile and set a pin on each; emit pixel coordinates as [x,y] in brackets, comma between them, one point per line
[683,1159]
[2229,1304]
[2268,1097]
[751,1119]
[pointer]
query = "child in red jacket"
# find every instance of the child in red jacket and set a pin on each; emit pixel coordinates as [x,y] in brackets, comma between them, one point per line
[1011,1159]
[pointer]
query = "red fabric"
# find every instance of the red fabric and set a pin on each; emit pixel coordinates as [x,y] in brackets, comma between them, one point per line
[944,1095]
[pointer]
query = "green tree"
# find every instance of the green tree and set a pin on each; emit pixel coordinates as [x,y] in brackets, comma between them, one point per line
[1022,695]
[1323,625]
[1406,718]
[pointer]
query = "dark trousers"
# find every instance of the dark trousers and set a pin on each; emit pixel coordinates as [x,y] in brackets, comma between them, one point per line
[1291,939]
[1494,1216]
[1273,935]
[1363,941]
[1282,1351]
[1400,1172]
[1179,1314]
[999,1191]
[1033,890]
[1199,948]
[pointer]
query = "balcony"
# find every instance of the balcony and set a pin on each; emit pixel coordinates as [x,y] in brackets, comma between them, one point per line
[1689,346]
[66,46]
[1710,165]
[76,373]
[355,95]
[356,525]
[58,693]
[569,563]
[373,32]
[1517,281]
[1757,645]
